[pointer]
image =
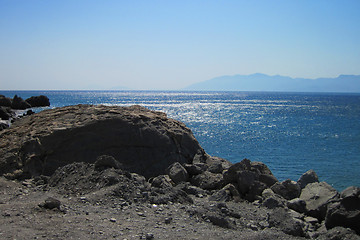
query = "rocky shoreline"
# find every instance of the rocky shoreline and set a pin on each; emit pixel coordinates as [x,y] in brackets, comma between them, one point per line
[14,108]
[103,172]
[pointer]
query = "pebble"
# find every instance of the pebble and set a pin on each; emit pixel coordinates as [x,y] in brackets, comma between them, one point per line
[168,220]
[112,219]
[149,236]
[141,214]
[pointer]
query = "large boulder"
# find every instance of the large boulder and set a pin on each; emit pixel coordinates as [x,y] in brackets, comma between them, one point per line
[208,180]
[308,177]
[5,101]
[250,178]
[287,189]
[143,141]
[177,173]
[345,212]
[38,101]
[19,103]
[317,196]
[5,113]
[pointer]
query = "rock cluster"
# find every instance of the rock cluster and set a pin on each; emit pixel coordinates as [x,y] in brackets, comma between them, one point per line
[19,103]
[131,155]
[8,106]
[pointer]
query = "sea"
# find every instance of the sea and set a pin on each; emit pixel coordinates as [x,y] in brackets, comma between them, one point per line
[289,132]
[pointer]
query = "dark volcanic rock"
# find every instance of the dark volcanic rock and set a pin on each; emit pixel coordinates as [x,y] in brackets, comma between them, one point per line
[281,219]
[208,180]
[177,173]
[143,141]
[196,168]
[297,204]
[162,181]
[345,212]
[339,233]
[19,103]
[308,177]
[3,126]
[105,161]
[50,203]
[5,113]
[287,189]
[217,165]
[5,101]
[38,101]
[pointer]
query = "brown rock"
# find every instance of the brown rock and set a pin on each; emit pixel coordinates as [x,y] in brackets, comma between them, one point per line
[143,141]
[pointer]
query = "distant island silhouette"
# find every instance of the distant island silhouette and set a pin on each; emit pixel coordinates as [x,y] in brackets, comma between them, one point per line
[263,82]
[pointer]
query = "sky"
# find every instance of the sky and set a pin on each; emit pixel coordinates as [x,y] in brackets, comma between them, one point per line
[168,45]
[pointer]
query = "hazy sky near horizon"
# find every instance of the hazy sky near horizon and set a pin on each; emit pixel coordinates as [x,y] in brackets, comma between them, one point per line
[167,45]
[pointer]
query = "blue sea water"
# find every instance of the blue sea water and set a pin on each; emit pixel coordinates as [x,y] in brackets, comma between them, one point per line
[290,132]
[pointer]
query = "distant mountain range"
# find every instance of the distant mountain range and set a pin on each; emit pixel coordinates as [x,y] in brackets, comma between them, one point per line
[263,82]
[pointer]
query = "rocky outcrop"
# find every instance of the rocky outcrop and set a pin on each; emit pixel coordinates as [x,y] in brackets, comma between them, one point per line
[5,101]
[287,189]
[346,211]
[143,141]
[38,101]
[19,103]
[307,178]
[5,113]
[13,109]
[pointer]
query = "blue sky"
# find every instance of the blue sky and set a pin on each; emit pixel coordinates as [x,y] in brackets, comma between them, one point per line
[168,45]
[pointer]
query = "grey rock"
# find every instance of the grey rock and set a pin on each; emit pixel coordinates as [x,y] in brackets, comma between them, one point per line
[261,168]
[268,193]
[162,181]
[297,205]
[338,233]
[346,211]
[177,173]
[106,161]
[196,168]
[244,180]
[230,175]
[220,221]
[272,202]
[208,180]
[190,189]
[350,197]
[283,220]
[317,196]
[255,191]
[269,180]
[287,189]
[233,191]
[169,194]
[227,193]
[217,165]
[308,177]
[50,203]
[221,196]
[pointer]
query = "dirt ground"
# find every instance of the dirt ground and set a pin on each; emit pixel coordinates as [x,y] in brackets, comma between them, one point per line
[78,218]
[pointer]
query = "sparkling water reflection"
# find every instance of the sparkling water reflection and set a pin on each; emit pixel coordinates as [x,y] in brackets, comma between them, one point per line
[290,132]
